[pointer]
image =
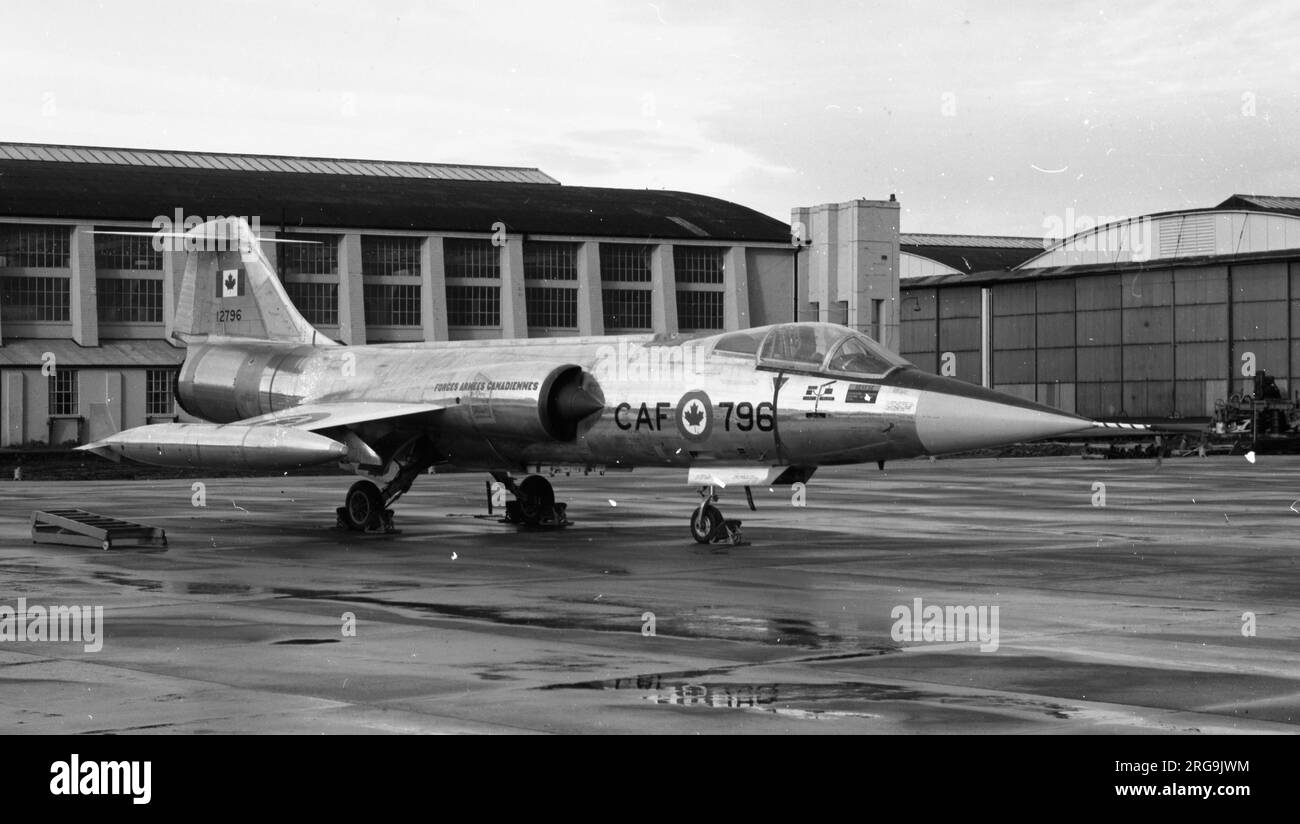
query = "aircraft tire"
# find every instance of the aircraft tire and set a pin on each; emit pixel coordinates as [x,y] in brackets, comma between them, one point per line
[536,499]
[704,520]
[363,506]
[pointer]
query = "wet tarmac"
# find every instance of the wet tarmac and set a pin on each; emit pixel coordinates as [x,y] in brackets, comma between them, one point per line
[1167,600]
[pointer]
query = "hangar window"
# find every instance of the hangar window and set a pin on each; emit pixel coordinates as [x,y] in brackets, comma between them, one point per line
[34,247]
[129,300]
[158,398]
[625,263]
[134,253]
[392,304]
[320,256]
[699,274]
[317,302]
[551,284]
[471,258]
[390,256]
[63,392]
[626,310]
[473,305]
[33,299]
[699,264]
[546,260]
[552,307]
[698,310]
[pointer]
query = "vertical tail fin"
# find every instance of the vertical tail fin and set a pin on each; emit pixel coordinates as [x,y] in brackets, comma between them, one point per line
[231,289]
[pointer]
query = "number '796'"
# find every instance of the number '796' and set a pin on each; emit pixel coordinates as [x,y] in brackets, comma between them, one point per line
[747,416]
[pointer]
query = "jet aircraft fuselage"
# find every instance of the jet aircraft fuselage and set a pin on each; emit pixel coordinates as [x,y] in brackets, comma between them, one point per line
[745,397]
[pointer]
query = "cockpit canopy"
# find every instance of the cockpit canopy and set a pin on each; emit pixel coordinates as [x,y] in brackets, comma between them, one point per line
[811,347]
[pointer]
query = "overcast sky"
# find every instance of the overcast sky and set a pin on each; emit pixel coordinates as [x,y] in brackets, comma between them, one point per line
[987,118]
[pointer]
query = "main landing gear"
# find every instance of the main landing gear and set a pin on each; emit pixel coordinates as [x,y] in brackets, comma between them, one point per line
[707,524]
[534,503]
[366,508]
[363,509]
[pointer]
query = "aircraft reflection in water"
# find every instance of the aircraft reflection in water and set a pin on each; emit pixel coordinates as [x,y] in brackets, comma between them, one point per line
[762,406]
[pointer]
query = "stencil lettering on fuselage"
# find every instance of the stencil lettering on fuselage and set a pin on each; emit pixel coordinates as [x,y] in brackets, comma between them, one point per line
[232,303]
[897,400]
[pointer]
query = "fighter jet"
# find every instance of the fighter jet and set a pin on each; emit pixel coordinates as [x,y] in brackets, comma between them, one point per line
[752,407]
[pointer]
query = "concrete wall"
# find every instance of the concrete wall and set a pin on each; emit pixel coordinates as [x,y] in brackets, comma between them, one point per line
[108,400]
[771,285]
[851,258]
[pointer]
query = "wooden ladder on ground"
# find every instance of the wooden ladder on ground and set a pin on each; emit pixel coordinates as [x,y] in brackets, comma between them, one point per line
[77,527]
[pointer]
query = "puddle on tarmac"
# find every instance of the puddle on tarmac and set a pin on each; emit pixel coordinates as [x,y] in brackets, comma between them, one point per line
[217,588]
[306,642]
[174,587]
[849,699]
[129,581]
[787,632]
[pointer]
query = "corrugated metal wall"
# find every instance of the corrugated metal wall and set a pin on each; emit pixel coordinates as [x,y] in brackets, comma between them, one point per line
[959,331]
[920,332]
[1152,343]
[1260,320]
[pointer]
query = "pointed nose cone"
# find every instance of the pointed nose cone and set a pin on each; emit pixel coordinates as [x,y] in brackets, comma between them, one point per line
[954,416]
[573,403]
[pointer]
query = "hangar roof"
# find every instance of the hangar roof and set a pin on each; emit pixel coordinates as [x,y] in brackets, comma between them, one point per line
[972,253]
[992,276]
[1263,203]
[267,163]
[63,188]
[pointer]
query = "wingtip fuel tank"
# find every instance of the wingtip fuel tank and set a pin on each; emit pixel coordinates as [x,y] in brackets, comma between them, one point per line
[214,446]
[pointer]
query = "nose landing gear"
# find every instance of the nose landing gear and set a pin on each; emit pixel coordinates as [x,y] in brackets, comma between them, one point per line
[708,526]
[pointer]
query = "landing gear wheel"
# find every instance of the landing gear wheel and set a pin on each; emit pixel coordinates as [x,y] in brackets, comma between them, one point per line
[536,499]
[705,521]
[363,507]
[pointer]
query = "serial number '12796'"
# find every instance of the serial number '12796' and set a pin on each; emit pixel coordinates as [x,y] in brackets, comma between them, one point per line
[224,315]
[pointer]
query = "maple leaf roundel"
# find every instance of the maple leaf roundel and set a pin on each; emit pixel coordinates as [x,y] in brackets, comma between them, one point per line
[695,416]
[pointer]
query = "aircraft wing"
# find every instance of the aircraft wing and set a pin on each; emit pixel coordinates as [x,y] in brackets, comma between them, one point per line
[284,438]
[313,417]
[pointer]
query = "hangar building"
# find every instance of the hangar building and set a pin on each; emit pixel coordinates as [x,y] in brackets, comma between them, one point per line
[1154,317]
[405,252]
